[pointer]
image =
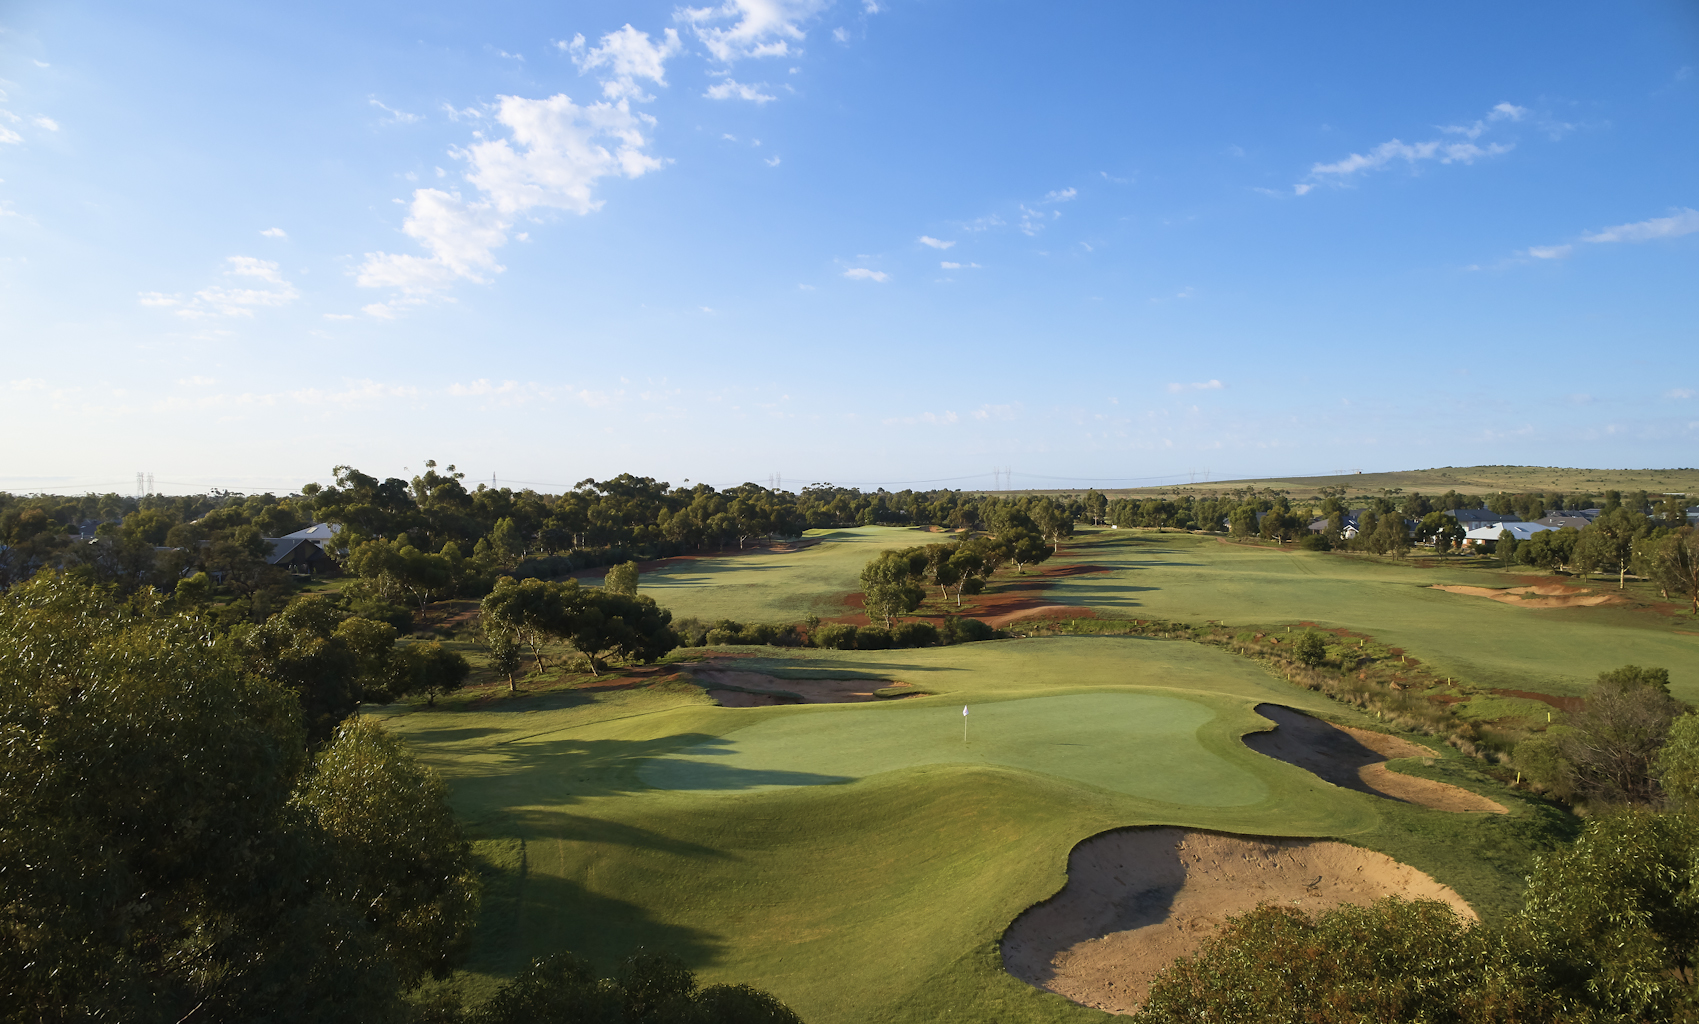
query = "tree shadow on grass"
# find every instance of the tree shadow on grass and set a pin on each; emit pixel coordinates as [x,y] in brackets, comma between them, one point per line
[527,913]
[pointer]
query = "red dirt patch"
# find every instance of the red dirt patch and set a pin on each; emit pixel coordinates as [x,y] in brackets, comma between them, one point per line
[1565,704]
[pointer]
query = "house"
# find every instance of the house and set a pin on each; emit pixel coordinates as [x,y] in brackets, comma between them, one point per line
[1474,518]
[1558,520]
[1484,535]
[303,552]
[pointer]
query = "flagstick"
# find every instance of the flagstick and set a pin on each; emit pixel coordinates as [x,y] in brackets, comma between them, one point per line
[964,723]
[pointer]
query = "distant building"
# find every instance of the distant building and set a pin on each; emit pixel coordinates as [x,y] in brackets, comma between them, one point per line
[1475,518]
[1483,535]
[303,552]
[1558,520]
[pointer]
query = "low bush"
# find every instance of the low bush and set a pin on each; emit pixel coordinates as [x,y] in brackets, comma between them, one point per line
[872,638]
[914,634]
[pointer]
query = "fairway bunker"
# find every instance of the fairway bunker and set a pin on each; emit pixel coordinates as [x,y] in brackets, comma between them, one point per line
[1355,759]
[1552,596]
[1138,899]
[734,688]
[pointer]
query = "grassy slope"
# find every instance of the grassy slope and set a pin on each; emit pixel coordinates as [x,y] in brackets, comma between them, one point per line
[777,587]
[1192,578]
[1465,480]
[882,898]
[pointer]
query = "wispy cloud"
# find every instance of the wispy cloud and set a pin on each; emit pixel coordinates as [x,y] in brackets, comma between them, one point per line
[1550,252]
[1061,195]
[395,116]
[740,29]
[936,243]
[1208,385]
[1396,151]
[275,233]
[233,297]
[947,265]
[1684,221]
[864,274]
[730,88]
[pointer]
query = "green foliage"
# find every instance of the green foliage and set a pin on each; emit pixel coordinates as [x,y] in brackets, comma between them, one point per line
[834,636]
[622,579]
[649,989]
[1614,738]
[1394,961]
[598,622]
[1676,766]
[505,654]
[158,855]
[961,630]
[1310,648]
[914,634]
[872,638]
[399,854]
[888,584]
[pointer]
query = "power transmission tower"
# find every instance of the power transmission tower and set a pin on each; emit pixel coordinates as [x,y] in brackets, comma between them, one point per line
[150,483]
[139,479]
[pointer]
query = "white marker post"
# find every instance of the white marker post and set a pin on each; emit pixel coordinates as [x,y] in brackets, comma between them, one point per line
[964,723]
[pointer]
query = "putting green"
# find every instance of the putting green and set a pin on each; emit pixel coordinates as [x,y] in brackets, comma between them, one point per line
[1141,744]
[777,586]
[1191,579]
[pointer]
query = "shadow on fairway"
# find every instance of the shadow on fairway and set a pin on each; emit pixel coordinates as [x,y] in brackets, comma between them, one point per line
[528,773]
[529,910]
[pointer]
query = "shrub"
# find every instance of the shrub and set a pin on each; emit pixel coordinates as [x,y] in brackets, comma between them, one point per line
[914,634]
[962,631]
[1314,542]
[1310,649]
[872,638]
[835,636]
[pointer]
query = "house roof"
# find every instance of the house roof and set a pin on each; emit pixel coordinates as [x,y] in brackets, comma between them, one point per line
[317,531]
[285,549]
[1518,529]
[1482,515]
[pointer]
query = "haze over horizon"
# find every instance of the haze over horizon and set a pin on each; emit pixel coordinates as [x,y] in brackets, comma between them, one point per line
[864,241]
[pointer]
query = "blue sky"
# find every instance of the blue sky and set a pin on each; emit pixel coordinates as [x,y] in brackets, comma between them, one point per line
[852,241]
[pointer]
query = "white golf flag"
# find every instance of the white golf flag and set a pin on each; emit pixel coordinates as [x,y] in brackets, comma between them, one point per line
[964,710]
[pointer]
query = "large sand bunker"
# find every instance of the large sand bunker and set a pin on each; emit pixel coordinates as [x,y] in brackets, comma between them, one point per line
[734,688]
[1551,596]
[1355,759]
[1138,899]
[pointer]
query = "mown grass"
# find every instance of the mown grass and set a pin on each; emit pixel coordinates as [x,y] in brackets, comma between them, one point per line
[880,894]
[768,586]
[1193,578]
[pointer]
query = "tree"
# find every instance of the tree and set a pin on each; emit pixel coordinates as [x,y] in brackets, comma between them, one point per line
[399,854]
[1676,766]
[1609,750]
[887,584]
[157,861]
[505,654]
[427,668]
[1609,543]
[648,989]
[508,542]
[622,579]
[1024,547]
[601,623]
[529,612]
[1309,648]
[1673,564]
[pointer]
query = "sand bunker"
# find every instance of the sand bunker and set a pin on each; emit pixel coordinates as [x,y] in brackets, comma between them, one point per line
[1551,596]
[1138,899]
[737,689]
[1354,759]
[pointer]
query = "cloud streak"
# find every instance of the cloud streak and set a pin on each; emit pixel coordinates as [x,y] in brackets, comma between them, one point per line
[1410,154]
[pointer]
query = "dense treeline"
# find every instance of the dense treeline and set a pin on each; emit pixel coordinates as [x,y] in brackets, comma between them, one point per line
[192,826]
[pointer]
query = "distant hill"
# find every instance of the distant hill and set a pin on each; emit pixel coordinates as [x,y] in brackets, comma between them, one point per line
[1462,479]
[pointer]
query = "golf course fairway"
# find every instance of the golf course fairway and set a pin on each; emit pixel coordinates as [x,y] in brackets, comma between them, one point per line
[860,861]
[1141,744]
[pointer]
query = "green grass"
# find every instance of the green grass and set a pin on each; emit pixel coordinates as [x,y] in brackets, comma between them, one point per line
[859,861]
[775,586]
[1194,578]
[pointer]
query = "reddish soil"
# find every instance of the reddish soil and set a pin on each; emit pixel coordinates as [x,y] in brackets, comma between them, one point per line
[1019,597]
[1561,703]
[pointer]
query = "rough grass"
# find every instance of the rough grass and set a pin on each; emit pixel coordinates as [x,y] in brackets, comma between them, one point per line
[1193,578]
[776,587]
[881,897]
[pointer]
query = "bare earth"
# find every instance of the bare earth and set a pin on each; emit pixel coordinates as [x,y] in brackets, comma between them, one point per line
[1354,759]
[755,689]
[1556,596]
[1138,899]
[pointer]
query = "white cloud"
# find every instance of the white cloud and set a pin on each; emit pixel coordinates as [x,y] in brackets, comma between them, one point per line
[1550,252]
[1208,385]
[863,274]
[739,29]
[197,382]
[1684,222]
[841,34]
[1033,221]
[1061,195]
[339,316]
[1679,393]
[395,116]
[947,265]
[627,55]
[771,161]
[871,6]
[45,122]
[275,233]
[733,89]
[1397,150]
[10,136]
[233,299]
[556,152]
[935,242]
[28,384]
